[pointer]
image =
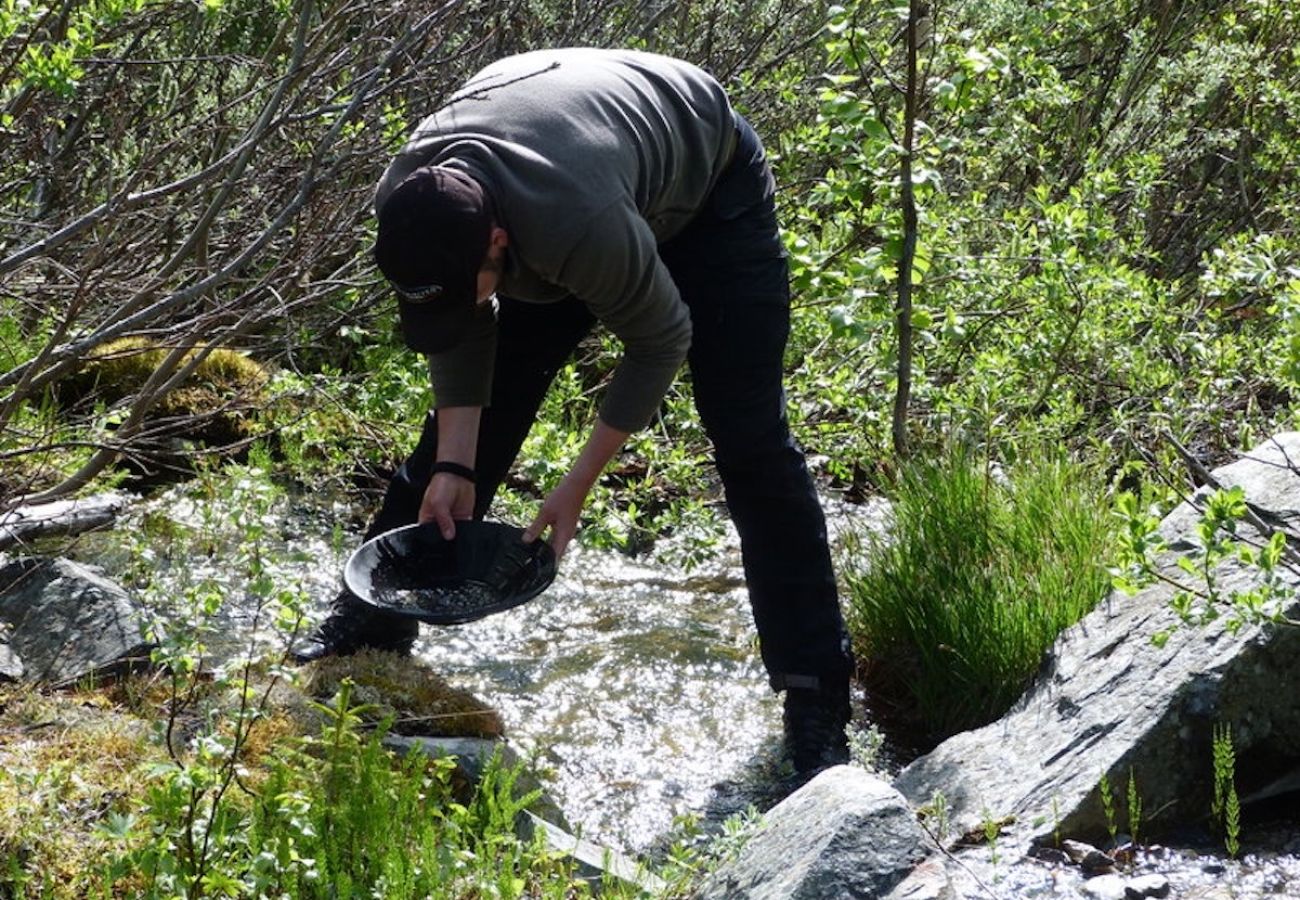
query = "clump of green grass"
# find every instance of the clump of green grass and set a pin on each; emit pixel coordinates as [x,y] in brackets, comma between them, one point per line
[953,609]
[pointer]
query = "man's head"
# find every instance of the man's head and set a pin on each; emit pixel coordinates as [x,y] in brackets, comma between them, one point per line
[435,232]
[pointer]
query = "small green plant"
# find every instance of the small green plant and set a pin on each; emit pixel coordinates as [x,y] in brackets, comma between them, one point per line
[934,818]
[694,853]
[191,827]
[1232,824]
[736,831]
[865,745]
[992,829]
[1108,806]
[1225,809]
[1134,807]
[1199,596]
[1056,820]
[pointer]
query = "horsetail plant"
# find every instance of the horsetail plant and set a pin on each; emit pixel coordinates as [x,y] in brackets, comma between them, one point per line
[1134,807]
[1225,809]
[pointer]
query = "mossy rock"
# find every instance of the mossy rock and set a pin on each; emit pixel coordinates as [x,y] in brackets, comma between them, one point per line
[404,690]
[116,371]
[210,407]
[119,368]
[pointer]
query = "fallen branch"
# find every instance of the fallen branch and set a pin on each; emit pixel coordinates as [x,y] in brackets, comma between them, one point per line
[26,523]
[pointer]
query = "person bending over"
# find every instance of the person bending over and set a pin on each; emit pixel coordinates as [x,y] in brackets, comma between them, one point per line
[558,189]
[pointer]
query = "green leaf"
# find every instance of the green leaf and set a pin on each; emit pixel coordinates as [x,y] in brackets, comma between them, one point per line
[977,61]
[842,320]
[116,826]
[875,130]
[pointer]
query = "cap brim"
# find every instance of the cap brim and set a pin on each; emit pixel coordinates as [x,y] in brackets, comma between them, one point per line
[434,327]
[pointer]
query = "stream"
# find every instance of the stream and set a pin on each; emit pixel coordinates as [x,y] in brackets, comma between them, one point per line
[634,685]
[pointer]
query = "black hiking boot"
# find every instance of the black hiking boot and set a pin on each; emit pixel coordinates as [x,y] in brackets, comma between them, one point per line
[815,719]
[353,626]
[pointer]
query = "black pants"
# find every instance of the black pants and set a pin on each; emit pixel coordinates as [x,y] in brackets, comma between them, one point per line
[731,271]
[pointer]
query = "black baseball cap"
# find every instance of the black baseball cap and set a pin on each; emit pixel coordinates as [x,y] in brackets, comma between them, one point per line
[434,230]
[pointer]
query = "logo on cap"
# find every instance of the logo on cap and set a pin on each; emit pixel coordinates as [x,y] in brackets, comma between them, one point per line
[420,294]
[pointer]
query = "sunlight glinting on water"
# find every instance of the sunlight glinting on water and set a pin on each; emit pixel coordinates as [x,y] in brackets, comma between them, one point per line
[639,698]
[635,686]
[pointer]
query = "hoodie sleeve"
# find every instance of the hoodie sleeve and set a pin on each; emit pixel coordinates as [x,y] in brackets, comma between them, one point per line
[615,269]
[462,375]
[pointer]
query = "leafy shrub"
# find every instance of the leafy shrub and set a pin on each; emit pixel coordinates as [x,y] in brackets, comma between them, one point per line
[1105,254]
[334,816]
[952,610]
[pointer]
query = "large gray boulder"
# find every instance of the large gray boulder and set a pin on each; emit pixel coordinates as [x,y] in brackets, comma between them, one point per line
[1110,703]
[11,667]
[66,621]
[846,834]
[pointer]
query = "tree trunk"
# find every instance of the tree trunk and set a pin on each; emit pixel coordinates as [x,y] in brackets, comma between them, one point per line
[903,318]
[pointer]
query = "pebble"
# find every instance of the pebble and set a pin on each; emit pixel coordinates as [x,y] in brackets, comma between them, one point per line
[1146,886]
[1091,860]
[1211,892]
[1051,856]
[1106,887]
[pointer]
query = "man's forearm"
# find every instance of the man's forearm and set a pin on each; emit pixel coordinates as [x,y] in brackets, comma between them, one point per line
[458,434]
[603,443]
[562,507]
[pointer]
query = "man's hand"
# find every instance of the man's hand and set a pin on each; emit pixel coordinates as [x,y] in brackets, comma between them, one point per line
[560,510]
[447,498]
[559,513]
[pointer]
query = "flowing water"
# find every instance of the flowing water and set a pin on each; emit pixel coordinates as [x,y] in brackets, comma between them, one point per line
[637,685]
[634,685]
[638,688]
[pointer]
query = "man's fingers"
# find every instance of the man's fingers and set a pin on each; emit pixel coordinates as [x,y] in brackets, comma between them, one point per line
[446,524]
[446,499]
[559,543]
[534,531]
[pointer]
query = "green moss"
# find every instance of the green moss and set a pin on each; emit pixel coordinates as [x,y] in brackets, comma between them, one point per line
[67,761]
[120,368]
[213,406]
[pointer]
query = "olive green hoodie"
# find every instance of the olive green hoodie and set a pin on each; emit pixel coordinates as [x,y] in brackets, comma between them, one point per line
[592,158]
